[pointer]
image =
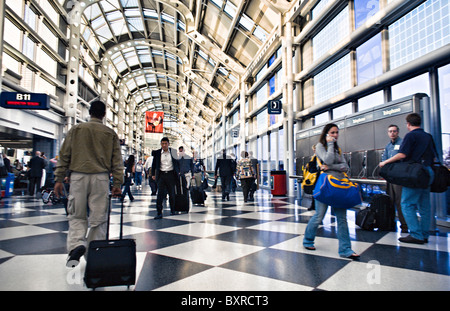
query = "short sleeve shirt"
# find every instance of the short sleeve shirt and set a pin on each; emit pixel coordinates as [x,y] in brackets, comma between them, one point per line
[417,146]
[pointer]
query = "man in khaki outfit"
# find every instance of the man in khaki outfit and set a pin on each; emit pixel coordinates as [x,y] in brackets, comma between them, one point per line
[90,152]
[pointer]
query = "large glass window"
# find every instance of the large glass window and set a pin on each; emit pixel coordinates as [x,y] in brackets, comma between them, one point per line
[419,84]
[265,170]
[333,80]
[444,99]
[365,9]
[261,95]
[419,32]
[332,34]
[368,59]
[342,111]
[370,101]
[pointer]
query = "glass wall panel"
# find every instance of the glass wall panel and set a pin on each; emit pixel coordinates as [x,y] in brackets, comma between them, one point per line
[332,34]
[333,80]
[365,9]
[419,84]
[368,59]
[419,32]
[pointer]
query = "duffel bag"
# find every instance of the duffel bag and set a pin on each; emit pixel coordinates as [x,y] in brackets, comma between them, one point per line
[407,174]
[338,193]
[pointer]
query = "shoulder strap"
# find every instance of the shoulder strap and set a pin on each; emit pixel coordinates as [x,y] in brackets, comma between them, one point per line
[435,149]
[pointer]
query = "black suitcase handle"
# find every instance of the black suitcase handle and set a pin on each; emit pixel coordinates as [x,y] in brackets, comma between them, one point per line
[121,219]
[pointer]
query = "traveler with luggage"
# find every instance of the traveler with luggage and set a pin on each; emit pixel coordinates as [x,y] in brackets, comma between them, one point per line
[417,147]
[334,164]
[186,166]
[91,151]
[165,171]
[394,191]
[245,173]
[255,185]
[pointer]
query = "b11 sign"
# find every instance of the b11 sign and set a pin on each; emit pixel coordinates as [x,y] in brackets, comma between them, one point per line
[15,100]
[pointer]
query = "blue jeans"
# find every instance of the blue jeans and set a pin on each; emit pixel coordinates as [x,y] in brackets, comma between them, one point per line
[416,198]
[345,247]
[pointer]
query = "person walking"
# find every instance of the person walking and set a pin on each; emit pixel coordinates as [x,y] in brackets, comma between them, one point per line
[417,146]
[165,171]
[91,152]
[36,167]
[227,169]
[333,163]
[129,175]
[245,174]
[138,172]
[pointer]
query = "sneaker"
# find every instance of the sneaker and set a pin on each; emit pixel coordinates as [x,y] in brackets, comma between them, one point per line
[74,256]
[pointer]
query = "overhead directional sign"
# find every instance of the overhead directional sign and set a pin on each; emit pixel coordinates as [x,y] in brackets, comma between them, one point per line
[274,106]
[15,100]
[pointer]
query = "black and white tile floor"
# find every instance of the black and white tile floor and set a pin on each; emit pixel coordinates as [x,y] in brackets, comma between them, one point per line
[224,246]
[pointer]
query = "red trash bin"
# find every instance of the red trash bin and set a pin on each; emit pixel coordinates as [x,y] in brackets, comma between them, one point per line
[278,182]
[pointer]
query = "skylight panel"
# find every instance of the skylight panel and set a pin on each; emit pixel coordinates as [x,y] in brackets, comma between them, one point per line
[132,61]
[219,3]
[136,24]
[260,33]
[150,13]
[129,3]
[104,33]
[114,15]
[230,9]
[98,22]
[131,85]
[168,18]
[132,13]
[119,28]
[246,22]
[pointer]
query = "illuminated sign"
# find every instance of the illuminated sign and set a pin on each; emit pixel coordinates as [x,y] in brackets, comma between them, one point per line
[15,100]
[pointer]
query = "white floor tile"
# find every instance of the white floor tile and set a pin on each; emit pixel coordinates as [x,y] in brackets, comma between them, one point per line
[359,276]
[263,216]
[201,230]
[22,231]
[207,251]
[220,279]
[281,226]
[435,243]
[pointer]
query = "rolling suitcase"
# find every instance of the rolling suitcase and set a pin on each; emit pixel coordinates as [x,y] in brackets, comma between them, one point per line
[197,195]
[181,198]
[111,262]
[380,213]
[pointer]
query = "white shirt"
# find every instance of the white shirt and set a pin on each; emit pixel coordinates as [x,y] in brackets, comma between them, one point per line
[166,161]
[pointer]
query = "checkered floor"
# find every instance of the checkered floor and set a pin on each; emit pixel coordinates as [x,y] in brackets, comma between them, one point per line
[224,246]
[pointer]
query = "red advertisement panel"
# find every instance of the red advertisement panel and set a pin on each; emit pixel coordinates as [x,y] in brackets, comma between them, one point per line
[154,121]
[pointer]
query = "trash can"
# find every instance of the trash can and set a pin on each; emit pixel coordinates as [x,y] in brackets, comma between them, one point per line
[278,182]
[9,185]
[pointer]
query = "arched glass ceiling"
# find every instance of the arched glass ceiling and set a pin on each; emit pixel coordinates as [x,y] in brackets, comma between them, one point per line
[206,54]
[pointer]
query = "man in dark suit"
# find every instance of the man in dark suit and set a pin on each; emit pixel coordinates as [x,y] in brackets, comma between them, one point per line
[227,169]
[165,171]
[37,164]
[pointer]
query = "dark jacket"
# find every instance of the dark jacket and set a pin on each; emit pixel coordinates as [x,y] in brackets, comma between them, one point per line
[156,164]
[226,166]
[37,164]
